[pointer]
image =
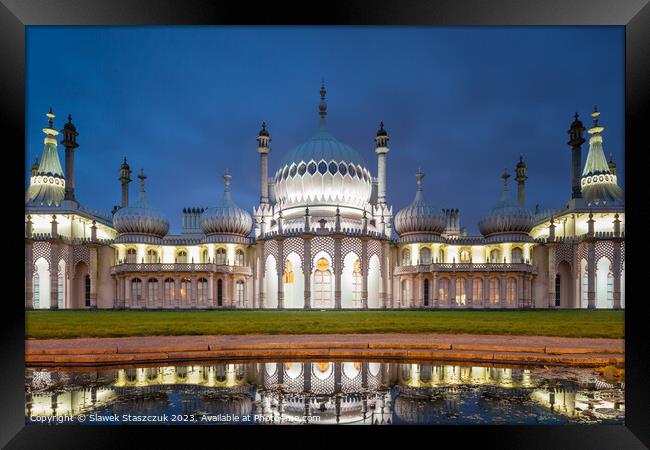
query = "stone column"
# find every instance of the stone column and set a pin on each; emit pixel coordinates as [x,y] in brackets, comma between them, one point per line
[306,375]
[127,292]
[414,287]
[452,291]
[260,291]
[520,291]
[486,291]
[160,302]
[384,276]
[306,271]
[280,270]
[616,273]
[502,290]
[420,289]
[337,377]
[54,280]
[591,275]
[468,291]
[177,294]
[389,278]
[338,268]
[365,264]
[211,299]
[551,276]
[194,292]
[434,287]
[29,274]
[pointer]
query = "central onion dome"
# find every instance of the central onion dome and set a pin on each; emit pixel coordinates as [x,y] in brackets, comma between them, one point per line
[323,170]
[419,218]
[140,217]
[506,217]
[226,217]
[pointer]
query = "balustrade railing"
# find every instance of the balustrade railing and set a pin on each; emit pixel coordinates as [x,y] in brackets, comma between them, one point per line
[180,267]
[465,267]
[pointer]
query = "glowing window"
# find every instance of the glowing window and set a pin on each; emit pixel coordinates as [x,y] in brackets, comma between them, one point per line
[517,255]
[186,290]
[610,289]
[425,256]
[240,292]
[443,290]
[181,256]
[511,292]
[460,291]
[202,289]
[356,283]
[152,290]
[494,291]
[136,289]
[406,257]
[37,291]
[170,289]
[131,256]
[221,256]
[477,290]
[152,256]
[239,257]
[465,256]
[322,284]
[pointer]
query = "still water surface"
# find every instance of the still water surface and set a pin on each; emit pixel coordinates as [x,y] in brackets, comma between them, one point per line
[322,392]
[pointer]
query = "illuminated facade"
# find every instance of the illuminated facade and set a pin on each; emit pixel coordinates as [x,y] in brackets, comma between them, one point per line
[324,237]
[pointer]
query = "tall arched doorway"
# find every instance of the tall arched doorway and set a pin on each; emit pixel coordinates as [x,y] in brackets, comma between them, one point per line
[564,287]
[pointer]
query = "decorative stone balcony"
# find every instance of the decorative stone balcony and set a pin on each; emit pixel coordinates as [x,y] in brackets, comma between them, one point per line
[180,267]
[466,267]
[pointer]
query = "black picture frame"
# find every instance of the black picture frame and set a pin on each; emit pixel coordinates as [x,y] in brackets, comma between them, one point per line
[634,15]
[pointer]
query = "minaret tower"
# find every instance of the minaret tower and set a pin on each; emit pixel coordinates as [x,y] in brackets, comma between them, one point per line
[70,143]
[611,164]
[521,181]
[322,107]
[575,141]
[125,179]
[381,148]
[263,140]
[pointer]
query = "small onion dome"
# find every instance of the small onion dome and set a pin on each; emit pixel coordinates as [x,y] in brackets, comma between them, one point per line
[521,164]
[226,217]
[506,216]
[124,164]
[418,217]
[381,131]
[140,217]
[263,131]
[611,164]
[69,125]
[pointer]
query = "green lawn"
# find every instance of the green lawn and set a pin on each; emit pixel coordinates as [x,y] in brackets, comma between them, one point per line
[568,323]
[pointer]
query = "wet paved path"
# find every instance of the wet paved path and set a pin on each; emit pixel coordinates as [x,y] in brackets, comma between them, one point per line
[447,347]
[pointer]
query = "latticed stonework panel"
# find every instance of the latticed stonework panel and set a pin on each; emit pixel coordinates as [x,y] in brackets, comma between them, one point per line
[605,249]
[270,379]
[583,252]
[374,248]
[351,245]
[374,381]
[325,386]
[564,252]
[349,385]
[297,246]
[41,249]
[271,248]
[323,244]
[293,384]
[622,253]
[80,253]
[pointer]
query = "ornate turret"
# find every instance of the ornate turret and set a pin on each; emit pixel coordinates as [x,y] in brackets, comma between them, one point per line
[35,166]
[576,140]
[599,184]
[419,218]
[226,219]
[611,164]
[125,179]
[506,217]
[263,148]
[70,143]
[521,181]
[47,185]
[381,148]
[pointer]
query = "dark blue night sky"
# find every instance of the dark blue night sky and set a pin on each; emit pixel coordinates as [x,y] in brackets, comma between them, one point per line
[185,103]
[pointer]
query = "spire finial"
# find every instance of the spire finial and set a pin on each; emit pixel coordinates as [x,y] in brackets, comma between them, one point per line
[419,175]
[595,115]
[505,177]
[226,179]
[69,118]
[50,117]
[142,177]
[322,108]
[575,116]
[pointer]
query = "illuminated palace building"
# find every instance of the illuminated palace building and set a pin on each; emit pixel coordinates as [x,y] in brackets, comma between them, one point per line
[324,237]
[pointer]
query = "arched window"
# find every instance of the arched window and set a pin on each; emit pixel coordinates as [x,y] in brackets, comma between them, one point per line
[186,290]
[406,257]
[443,290]
[494,291]
[239,257]
[311,168]
[181,257]
[585,290]
[87,290]
[323,283]
[152,292]
[465,256]
[558,288]
[460,291]
[406,292]
[219,292]
[495,256]
[136,290]
[36,303]
[152,256]
[131,256]
[356,283]
[60,292]
[204,256]
[202,290]
[441,256]
[477,290]
[517,255]
[239,287]
[221,256]
[511,292]
[610,289]
[170,290]
[425,288]
[425,255]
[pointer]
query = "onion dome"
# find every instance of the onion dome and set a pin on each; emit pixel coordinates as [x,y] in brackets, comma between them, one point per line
[323,170]
[419,217]
[226,217]
[263,131]
[140,218]
[506,217]
[381,131]
[599,185]
[47,183]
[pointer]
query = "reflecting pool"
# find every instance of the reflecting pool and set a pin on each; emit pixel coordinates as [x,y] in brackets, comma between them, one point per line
[322,392]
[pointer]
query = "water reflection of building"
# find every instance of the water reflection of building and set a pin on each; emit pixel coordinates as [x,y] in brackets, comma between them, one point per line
[298,392]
